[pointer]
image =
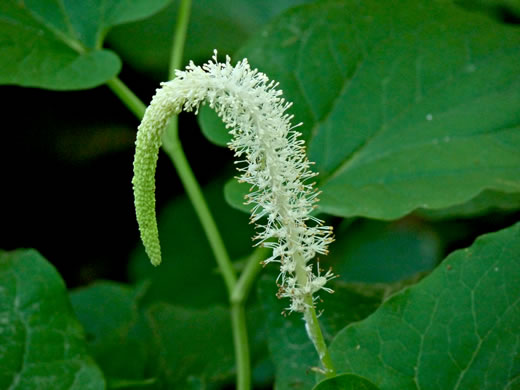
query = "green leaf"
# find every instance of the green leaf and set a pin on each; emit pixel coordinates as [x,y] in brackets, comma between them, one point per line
[292,352]
[379,252]
[456,329]
[221,24]
[57,44]
[188,275]
[345,382]
[115,330]
[234,193]
[213,128]
[484,203]
[192,345]
[414,105]
[42,344]
[170,346]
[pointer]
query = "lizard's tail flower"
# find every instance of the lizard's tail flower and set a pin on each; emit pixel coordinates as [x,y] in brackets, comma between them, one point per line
[273,163]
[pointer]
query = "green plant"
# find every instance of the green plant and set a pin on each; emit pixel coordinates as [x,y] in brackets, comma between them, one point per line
[410,113]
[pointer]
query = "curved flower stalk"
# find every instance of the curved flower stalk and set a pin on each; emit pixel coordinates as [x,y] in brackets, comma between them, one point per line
[271,159]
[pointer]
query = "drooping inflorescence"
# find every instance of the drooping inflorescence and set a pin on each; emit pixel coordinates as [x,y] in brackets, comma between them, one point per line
[271,158]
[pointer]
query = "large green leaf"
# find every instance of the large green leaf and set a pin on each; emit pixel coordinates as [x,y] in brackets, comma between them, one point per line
[42,344]
[404,106]
[457,329]
[214,24]
[56,44]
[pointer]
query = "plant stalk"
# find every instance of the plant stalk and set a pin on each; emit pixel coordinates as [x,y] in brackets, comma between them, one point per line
[248,275]
[173,148]
[129,99]
[241,343]
[312,325]
[179,38]
[237,292]
[238,319]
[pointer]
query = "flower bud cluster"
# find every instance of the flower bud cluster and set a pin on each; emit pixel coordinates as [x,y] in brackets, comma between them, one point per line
[271,158]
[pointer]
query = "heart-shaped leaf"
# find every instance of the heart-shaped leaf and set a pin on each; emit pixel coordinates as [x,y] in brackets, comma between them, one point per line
[56,44]
[404,106]
[456,329]
[42,344]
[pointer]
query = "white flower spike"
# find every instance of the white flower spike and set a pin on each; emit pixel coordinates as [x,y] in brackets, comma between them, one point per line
[273,162]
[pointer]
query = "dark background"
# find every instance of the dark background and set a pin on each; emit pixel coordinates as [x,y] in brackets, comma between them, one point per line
[66,168]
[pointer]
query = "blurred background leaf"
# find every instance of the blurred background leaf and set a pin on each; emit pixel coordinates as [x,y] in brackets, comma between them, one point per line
[214,24]
[115,329]
[191,344]
[379,252]
[170,345]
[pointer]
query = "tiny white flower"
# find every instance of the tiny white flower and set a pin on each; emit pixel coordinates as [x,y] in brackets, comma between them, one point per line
[271,158]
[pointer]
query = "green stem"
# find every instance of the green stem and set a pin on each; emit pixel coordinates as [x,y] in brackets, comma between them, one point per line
[312,324]
[314,332]
[237,292]
[238,321]
[173,148]
[248,275]
[129,99]
[180,37]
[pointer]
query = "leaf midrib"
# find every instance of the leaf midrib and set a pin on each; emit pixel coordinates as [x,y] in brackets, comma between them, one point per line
[347,83]
[71,42]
